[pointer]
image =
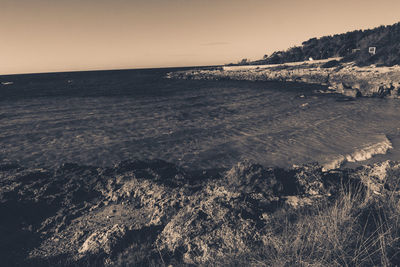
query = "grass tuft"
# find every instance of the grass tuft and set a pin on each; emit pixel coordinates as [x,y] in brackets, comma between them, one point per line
[356,229]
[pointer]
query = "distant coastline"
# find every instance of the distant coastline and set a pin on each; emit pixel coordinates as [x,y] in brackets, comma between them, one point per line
[341,78]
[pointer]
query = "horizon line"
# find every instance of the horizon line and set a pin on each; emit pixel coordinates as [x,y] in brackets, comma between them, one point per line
[116,69]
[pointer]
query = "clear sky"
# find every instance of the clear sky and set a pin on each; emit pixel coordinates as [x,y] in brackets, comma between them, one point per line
[62,35]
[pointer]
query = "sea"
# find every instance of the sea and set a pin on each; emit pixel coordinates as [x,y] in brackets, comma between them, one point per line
[102,117]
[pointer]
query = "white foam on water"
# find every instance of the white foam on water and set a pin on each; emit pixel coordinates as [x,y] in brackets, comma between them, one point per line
[364,153]
[369,151]
[7,83]
[335,163]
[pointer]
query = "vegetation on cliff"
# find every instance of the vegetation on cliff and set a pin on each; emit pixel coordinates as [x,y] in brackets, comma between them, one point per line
[352,46]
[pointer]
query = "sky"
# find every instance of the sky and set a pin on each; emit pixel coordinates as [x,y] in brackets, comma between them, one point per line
[69,35]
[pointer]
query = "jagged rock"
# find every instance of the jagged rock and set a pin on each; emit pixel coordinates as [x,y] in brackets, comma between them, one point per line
[162,201]
[380,178]
[77,211]
[247,177]
[309,178]
[104,240]
[225,216]
[217,222]
[156,170]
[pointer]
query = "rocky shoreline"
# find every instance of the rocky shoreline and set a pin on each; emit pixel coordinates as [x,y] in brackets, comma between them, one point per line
[342,78]
[141,213]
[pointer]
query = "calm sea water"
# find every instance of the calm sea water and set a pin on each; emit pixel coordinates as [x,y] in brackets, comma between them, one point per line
[99,118]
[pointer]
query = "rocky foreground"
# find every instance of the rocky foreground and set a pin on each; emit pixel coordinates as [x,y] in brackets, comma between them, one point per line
[342,78]
[151,213]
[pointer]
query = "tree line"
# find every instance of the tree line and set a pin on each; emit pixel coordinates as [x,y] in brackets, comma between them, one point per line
[351,46]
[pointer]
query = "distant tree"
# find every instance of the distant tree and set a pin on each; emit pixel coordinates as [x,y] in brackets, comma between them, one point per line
[386,39]
[275,58]
[244,61]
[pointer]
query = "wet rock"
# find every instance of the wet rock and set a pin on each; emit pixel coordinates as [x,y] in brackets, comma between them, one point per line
[352,92]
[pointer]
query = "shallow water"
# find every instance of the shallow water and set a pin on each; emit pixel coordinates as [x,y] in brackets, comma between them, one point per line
[99,118]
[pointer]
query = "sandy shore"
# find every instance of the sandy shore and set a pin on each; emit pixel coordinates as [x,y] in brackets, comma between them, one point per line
[343,78]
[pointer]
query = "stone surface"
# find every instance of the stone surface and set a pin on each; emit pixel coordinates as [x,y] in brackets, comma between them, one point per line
[104,240]
[217,222]
[154,211]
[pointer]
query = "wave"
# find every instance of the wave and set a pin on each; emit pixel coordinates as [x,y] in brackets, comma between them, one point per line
[364,153]
[7,83]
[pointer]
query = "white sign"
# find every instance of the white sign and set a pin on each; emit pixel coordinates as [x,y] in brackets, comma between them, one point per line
[372,50]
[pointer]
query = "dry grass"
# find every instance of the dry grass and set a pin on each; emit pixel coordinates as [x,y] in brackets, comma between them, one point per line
[355,230]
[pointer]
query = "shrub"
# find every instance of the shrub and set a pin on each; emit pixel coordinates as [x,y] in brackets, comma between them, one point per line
[331,64]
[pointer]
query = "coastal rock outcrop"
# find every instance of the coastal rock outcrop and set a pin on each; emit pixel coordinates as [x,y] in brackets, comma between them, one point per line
[345,78]
[224,217]
[216,223]
[104,240]
[153,211]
